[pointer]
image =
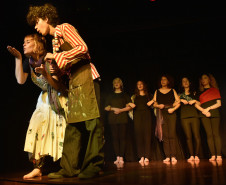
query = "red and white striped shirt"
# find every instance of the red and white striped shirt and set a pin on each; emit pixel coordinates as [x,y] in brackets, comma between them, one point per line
[80,50]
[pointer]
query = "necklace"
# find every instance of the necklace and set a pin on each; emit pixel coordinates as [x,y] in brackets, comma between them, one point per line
[55,43]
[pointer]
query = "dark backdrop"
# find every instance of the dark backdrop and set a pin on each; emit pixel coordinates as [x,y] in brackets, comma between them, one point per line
[138,39]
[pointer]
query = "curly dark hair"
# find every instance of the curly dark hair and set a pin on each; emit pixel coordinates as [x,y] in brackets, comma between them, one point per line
[169,78]
[45,11]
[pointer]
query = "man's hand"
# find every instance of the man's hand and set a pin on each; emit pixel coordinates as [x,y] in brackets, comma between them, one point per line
[49,57]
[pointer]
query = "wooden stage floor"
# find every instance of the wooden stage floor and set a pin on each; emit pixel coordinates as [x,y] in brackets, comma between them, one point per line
[132,173]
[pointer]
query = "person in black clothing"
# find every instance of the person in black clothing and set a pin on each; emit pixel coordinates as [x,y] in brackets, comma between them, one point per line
[117,105]
[189,117]
[141,101]
[209,103]
[166,101]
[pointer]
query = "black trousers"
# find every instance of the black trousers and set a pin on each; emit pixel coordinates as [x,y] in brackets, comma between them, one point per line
[191,127]
[83,147]
[169,134]
[142,127]
[211,126]
[119,138]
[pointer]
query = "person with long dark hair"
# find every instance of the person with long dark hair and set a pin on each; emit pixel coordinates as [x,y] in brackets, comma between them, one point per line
[141,102]
[189,117]
[166,102]
[45,133]
[117,106]
[209,103]
[83,154]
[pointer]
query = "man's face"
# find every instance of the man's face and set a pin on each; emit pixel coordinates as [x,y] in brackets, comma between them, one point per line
[42,26]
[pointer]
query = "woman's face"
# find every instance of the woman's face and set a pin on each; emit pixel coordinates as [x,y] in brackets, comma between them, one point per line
[29,45]
[42,26]
[117,84]
[205,80]
[140,86]
[164,81]
[185,83]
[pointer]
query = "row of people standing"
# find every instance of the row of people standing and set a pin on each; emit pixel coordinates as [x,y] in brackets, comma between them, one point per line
[194,105]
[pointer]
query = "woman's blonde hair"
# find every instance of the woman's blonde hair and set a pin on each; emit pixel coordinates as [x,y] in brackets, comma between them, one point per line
[40,44]
[120,81]
[213,82]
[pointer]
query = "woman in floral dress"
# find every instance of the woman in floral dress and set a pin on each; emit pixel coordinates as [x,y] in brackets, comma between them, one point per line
[45,134]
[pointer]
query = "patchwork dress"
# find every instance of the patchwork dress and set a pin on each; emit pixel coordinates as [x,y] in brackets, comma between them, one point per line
[45,134]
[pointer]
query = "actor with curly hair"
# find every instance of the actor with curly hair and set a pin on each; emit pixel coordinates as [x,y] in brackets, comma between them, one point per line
[83,145]
[166,102]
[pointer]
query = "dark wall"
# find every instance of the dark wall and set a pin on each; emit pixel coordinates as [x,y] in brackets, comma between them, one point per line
[128,39]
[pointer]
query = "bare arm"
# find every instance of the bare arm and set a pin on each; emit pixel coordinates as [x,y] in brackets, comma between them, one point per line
[215,106]
[176,104]
[197,105]
[118,110]
[21,77]
[150,102]
[156,105]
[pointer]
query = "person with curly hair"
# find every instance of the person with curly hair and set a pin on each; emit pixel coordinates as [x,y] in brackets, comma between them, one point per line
[166,102]
[209,103]
[83,145]
[45,133]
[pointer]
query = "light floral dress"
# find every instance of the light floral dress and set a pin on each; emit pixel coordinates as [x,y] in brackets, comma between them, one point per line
[45,134]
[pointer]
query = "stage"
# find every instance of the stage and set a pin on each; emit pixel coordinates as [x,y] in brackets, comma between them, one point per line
[132,173]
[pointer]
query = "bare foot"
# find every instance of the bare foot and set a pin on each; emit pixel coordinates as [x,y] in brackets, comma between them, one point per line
[192,163]
[213,158]
[219,158]
[35,173]
[146,163]
[121,160]
[166,159]
[146,160]
[117,160]
[141,160]
[191,158]
[197,158]
[173,159]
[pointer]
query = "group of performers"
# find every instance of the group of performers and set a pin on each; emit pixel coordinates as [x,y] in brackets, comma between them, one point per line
[192,107]
[66,123]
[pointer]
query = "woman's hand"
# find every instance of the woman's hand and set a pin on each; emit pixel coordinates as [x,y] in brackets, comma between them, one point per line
[171,110]
[14,52]
[191,102]
[208,114]
[150,103]
[205,111]
[117,110]
[41,70]
[185,102]
[108,108]
[161,106]
[132,105]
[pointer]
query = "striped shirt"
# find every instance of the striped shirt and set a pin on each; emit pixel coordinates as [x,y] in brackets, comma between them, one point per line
[80,50]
